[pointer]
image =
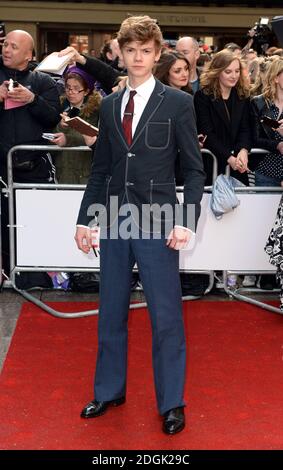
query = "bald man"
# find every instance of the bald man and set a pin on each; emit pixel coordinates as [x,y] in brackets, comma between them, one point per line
[190,48]
[22,45]
[29,106]
[34,108]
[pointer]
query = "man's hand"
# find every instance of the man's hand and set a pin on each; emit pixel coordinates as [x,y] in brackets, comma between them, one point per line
[83,239]
[3,91]
[178,238]
[75,57]
[59,139]
[87,238]
[21,94]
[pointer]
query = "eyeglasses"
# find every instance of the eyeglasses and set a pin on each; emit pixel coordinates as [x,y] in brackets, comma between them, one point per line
[74,90]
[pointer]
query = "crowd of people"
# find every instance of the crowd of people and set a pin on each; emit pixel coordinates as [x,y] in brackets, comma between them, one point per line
[234,91]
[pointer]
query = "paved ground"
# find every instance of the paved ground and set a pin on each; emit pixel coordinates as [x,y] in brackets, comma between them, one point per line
[11,301]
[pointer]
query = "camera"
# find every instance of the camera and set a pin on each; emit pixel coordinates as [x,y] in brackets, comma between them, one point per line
[262,37]
[2,34]
[261,26]
[2,29]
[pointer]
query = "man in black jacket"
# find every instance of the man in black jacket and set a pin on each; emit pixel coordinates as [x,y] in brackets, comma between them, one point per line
[29,106]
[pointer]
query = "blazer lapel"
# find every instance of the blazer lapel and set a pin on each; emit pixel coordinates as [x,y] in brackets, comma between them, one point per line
[117,115]
[153,104]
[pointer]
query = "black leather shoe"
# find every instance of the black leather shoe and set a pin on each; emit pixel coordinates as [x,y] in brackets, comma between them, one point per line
[174,421]
[97,408]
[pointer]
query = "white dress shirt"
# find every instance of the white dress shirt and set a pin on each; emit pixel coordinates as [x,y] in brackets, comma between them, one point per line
[143,93]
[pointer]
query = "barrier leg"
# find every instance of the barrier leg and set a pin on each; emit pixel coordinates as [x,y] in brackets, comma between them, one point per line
[244,298]
[80,314]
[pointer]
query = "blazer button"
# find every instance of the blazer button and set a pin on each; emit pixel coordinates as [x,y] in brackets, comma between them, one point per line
[129,154]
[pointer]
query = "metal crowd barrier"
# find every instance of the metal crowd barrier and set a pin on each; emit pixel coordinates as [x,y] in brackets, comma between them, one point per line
[12,226]
[237,292]
[1,272]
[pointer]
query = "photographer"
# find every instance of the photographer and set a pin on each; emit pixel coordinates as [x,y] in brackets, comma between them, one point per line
[260,37]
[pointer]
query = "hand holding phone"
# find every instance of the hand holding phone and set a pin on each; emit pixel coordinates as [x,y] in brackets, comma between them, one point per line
[268,121]
[48,136]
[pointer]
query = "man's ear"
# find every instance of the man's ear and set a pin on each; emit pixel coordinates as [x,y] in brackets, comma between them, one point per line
[29,58]
[157,56]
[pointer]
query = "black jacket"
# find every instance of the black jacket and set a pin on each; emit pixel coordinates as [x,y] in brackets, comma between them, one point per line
[223,136]
[144,172]
[25,125]
[104,73]
[263,136]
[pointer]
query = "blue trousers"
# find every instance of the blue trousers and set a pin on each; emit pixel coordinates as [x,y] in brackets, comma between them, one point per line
[159,272]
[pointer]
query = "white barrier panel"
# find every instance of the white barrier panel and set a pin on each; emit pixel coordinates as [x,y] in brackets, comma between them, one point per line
[46,225]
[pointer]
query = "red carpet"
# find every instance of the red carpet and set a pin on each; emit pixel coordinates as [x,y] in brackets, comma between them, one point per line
[234,385]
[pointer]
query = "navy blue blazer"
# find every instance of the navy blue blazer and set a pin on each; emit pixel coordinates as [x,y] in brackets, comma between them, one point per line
[144,173]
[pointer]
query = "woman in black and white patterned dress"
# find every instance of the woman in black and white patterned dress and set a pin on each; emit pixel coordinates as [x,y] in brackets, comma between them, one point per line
[274,248]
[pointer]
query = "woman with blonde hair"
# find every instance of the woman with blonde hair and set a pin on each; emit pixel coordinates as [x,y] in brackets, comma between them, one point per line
[266,134]
[222,109]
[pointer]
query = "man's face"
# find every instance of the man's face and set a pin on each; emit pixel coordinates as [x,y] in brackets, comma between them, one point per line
[188,48]
[16,51]
[139,59]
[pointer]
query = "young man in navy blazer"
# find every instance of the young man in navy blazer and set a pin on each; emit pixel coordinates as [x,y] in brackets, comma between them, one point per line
[139,172]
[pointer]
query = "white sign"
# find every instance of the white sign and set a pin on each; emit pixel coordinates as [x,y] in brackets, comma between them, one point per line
[46,222]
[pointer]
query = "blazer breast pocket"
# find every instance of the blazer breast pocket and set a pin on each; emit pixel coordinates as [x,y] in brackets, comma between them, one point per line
[157,134]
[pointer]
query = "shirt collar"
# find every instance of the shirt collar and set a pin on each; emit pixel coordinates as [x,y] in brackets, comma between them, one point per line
[145,89]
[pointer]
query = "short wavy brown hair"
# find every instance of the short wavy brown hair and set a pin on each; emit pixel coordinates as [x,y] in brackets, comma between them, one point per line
[141,29]
[209,79]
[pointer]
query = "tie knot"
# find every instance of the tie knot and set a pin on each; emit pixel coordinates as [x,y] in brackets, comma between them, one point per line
[132,94]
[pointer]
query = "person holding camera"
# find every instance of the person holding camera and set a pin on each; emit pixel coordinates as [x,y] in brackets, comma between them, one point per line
[29,106]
